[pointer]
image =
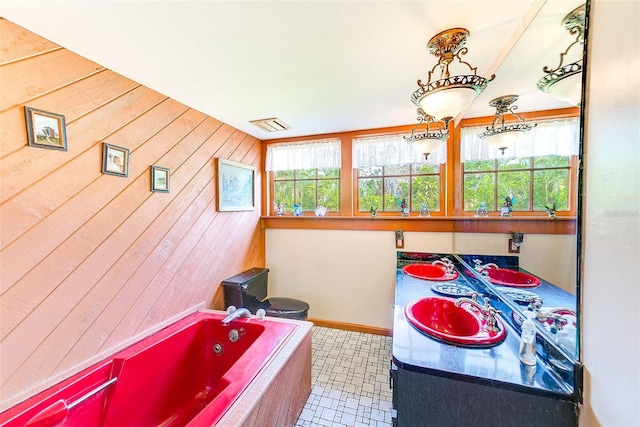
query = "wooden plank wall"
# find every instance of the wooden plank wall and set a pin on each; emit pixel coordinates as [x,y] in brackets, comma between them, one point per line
[89,260]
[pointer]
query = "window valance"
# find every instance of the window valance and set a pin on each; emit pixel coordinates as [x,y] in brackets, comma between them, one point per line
[560,137]
[387,150]
[305,155]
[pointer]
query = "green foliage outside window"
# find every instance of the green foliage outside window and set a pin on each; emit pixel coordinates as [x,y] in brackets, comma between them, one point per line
[533,182]
[309,188]
[384,187]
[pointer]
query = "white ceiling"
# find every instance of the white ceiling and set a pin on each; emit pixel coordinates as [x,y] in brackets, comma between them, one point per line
[319,66]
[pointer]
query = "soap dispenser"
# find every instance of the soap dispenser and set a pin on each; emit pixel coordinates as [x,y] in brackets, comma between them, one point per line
[528,340]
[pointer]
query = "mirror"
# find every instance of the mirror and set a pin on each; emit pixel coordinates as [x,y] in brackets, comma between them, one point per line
[548,253]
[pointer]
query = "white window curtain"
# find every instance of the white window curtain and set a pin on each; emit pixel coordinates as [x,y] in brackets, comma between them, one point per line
[559,137]
[305,155]
[390,150]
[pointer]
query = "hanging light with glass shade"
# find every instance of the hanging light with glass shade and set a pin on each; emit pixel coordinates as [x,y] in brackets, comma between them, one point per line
[444,98]
[565,82]
[430,139]
[501,135]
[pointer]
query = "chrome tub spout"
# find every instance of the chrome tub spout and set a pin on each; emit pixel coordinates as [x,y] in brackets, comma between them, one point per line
[236,314]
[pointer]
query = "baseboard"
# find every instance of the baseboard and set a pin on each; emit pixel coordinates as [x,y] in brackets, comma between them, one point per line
[351,327]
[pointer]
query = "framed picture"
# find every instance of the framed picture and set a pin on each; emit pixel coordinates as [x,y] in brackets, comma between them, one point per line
[160,179]
[45,130]
[236,186]
[115,160]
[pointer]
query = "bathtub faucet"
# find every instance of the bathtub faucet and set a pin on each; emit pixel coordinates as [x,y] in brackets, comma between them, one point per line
[235,314]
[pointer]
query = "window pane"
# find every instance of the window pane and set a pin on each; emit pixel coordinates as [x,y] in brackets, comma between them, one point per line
[479,165]
[329,194]
[306,195]
[514,163]
[284,174]
[328,173]
[425,189]
[395,189]
[551,161]
[514,184]
[369,194]
[549,187]
[305,174]
[479,187]
[284,193]
[421,168]
[397,170]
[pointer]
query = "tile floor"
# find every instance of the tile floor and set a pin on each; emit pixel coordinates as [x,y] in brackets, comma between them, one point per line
[349,380]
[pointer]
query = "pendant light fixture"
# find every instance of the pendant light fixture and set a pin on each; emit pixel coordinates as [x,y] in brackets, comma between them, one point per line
[501,135]
[444,98]
[565,82]
[430,139]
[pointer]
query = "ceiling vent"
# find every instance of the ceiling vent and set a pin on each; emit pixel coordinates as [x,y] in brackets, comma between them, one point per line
[271,125]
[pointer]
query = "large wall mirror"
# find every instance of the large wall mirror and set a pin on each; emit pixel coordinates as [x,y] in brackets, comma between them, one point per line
[551,254]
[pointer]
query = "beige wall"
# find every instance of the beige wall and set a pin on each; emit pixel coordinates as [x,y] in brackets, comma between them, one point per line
[551,257]
[611,283]
[349,276]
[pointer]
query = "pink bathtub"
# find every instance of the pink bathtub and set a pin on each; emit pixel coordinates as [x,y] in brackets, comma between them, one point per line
[187,374]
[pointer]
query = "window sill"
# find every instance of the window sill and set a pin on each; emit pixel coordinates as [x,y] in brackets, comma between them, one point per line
[489,224]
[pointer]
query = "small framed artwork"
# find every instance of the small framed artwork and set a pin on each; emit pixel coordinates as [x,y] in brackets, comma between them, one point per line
[45,130]
[236,186]
[115,160]
[160,179]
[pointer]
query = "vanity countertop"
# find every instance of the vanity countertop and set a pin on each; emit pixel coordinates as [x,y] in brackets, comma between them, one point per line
[498,366]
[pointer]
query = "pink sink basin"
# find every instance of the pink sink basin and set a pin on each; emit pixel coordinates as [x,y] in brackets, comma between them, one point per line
[428,272]
[513,278]
[440,318]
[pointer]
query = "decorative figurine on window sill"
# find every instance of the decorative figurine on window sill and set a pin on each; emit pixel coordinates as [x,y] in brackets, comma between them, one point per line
[507,208]
[551,211]
[373,212]
[278,208]
[321,211]
[482,209]
[404,209]
[297,210]
[424,211]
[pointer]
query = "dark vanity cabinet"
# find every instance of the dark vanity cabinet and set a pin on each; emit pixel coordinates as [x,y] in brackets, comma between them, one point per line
[438,384]
[422,399]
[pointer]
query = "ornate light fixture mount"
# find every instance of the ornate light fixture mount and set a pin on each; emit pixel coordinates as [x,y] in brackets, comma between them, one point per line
[504,135]
[429,140]
[447,96]
[564,81]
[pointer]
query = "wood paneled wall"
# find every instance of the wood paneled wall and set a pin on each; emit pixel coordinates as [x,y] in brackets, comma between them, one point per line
[89,260]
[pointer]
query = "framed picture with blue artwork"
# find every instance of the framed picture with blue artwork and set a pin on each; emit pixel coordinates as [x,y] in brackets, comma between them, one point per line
[236,186]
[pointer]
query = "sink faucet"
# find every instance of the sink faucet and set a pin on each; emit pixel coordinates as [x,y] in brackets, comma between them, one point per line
[482,269]
[447,264]
[488,312]
[235,314]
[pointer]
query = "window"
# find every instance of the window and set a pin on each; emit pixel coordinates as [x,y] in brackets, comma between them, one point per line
[537,175]
[306,174]
[384,187]
[531,183]
[388,170]
[309,188]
